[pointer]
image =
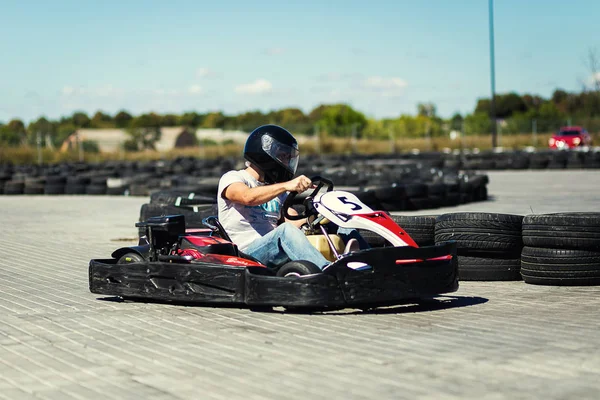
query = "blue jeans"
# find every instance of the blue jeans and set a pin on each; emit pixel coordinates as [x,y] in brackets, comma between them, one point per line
[287,243]
[347,233]
[283,244]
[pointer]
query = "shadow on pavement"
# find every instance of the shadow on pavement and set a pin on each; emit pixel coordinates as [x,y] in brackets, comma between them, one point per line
[414,306]
[433,304]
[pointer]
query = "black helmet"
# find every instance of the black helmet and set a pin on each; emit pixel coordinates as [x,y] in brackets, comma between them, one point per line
[275,151]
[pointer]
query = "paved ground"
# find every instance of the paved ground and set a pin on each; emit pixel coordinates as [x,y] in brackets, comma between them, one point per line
[488,341]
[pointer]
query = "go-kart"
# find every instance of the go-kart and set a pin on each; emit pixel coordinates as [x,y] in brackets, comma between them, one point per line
[205,267]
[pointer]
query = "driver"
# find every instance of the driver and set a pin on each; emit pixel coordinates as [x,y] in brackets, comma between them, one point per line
[250,200]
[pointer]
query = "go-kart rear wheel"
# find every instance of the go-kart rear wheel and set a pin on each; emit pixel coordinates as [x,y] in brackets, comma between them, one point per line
[298,268]
[130,258]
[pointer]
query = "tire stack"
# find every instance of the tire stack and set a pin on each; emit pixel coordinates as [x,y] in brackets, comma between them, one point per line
[189,204]
[55,184]
[561,249]
[488,244]
[76,184]
[34,185]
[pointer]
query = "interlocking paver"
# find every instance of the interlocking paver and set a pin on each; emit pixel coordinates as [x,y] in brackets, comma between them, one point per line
[490,340]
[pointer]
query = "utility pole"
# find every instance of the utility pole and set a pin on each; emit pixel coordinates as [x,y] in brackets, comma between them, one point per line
[493,76]
[80,147]
[38,141]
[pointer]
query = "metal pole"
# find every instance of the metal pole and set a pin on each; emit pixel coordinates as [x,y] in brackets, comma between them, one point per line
[493,76]
[80,147]
[38,142]
[534,130]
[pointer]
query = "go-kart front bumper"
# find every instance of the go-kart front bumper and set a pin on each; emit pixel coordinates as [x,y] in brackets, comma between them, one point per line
[395,275]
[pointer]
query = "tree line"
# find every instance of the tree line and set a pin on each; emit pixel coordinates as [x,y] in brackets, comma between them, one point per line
[515,112]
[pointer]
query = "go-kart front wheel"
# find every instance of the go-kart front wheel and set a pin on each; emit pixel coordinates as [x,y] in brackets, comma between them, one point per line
[298,268]
[130,258]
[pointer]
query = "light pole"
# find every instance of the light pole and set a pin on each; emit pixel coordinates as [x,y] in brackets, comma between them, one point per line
[493,76]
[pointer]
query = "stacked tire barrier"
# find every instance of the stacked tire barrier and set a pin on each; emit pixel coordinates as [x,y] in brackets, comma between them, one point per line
[488,244]
[546,249]
[194,206]
[561,249]
[392,184]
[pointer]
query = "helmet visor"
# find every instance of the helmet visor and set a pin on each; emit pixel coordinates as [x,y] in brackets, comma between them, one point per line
[286,155]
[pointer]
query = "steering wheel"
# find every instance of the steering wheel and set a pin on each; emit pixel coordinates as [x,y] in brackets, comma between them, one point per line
[308,207]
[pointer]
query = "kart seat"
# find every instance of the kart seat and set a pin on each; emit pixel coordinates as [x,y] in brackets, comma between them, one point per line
[213,223]
[209,245]
[164,228]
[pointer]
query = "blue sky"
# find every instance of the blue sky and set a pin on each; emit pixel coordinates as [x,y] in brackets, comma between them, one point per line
[382,57]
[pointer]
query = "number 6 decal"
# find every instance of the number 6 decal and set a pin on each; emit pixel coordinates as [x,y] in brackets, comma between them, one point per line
[344,200]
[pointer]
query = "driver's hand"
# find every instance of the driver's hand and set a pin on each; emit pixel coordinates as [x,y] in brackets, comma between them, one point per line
[298,184]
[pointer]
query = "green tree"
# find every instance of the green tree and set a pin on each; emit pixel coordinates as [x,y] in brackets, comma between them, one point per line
[248,121]
[122,119]
[44,129]
[145,131]
[456,122]
[426,109]
[80,119]
[191,119]
[214,120]
[63,131]
[506,105]
[340,120]
[169,120]
[13,133]
[478,124]
[101,120]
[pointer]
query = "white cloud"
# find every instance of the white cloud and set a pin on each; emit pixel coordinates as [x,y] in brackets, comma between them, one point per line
[259,86]
[380,83]
[68,90]
[195,89]
[205,73]
[107,91]
[274,51]
[340,76]
[72,91]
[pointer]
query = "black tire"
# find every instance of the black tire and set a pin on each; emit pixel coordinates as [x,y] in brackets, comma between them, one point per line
[75,189]
[180,197]
[78,180]
[421,228]
[563,230]
[95,189]
[116,191]
[489,269]
[193,214]
[560,267]
[373,239]
[34,189]
[56,180]
[14,187]
[54,189]
[420,203]
[130,258]
[298,268]
[399,191]
[481,232]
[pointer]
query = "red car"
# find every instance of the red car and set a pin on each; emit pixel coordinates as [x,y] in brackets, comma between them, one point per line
[570,136]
